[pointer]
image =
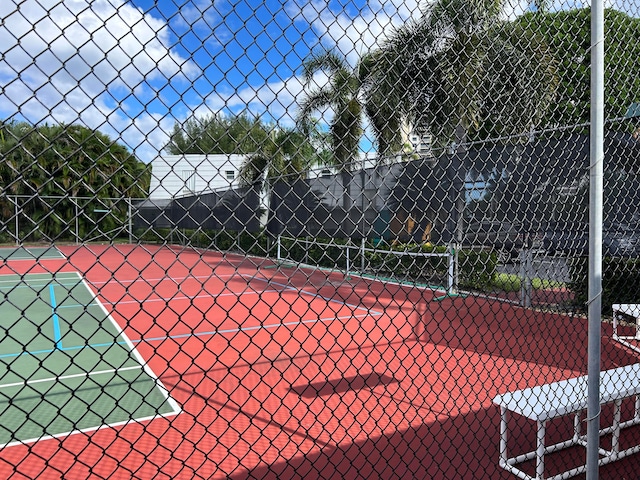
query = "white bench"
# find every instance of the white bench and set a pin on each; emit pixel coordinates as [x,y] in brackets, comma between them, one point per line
[546,402]
[620,311]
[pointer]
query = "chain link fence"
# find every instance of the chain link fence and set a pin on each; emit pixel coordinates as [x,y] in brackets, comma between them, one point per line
[313,240]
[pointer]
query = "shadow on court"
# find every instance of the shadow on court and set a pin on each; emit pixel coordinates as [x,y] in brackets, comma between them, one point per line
[461,447]
[355,382]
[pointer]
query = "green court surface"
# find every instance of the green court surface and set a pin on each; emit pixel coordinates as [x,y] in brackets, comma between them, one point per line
[66,365]
[30,253]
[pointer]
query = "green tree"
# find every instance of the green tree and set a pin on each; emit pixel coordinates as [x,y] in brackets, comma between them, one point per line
[270,151]
[65,161]
[441,73]
[386,105]
[341,95]
[285,155]
[218,134]
[568,34]
[518,86]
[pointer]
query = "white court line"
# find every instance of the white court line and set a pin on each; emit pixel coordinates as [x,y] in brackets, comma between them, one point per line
[149,281]
[175,407]
[315,294]
[67,377]
[244,277]
[27,255]
[249,329]
[172,402]
[184,297]
[16,279]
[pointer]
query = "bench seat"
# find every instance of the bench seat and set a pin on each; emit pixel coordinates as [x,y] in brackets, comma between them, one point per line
[545,402]
[620,311]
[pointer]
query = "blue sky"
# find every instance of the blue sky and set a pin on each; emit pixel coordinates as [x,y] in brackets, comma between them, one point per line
[132,69]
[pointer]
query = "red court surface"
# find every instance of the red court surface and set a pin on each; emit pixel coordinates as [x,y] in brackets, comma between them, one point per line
[300,374]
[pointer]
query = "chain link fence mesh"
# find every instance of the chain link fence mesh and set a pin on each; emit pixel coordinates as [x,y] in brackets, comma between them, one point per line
[312,239]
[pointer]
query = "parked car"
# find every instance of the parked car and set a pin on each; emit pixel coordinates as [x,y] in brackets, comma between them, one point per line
[618,240]
[621,242]
[501,236]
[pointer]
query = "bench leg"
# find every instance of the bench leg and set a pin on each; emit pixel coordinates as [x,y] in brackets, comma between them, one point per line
[542,426]
[577,426]
[503,436]
[615,436]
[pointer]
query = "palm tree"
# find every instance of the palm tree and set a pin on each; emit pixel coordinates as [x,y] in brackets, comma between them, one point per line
[385,104]
[441,73]
[341,94]
[458,72]
[284,156]
[430,68]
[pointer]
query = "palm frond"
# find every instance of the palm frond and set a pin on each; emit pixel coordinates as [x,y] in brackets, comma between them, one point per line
[326,60]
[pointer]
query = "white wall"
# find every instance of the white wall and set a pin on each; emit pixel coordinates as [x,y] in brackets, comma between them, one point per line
[180,175]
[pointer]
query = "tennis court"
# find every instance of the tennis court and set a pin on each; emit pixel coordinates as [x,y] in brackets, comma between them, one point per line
[243,366]
[67,367]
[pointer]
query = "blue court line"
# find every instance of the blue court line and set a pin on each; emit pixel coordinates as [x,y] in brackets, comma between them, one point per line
[187,335]
[57,335]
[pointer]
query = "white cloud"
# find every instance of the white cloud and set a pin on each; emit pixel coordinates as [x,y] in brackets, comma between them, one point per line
[276,98]
[353,32]
[109,65]
[74,61]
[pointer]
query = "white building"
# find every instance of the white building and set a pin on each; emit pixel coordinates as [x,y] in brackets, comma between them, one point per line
[180,175]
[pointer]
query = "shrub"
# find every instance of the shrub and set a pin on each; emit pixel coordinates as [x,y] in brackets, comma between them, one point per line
[476,268]
[620,276]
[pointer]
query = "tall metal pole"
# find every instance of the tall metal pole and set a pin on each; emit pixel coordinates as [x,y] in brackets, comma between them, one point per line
[595,234]
[17,223]
[129,211]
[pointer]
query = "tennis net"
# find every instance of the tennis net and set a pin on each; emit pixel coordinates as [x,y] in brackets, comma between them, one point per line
[434,269]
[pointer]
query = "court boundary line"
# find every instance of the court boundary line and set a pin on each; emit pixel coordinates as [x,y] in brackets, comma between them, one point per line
[312,294]
[80,430]
[148,370]
[245,277]
[174,405]
[364,276]
[68,377]
[251,328]
[365,312]
[45,275]
[31,257]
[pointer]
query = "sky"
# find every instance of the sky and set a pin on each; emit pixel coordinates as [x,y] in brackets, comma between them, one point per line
[133,69]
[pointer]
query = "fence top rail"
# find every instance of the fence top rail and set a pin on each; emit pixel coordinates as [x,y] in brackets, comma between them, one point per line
[72,197]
